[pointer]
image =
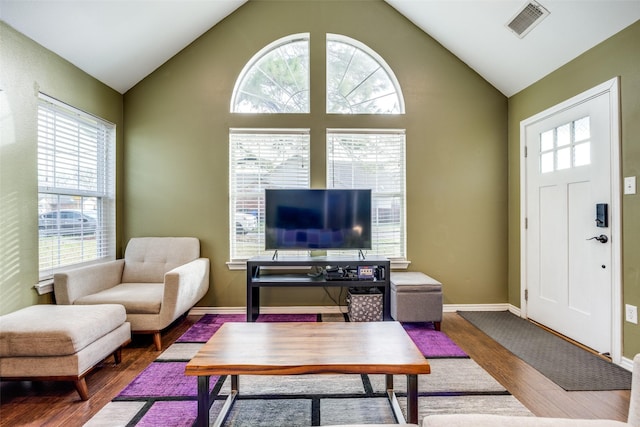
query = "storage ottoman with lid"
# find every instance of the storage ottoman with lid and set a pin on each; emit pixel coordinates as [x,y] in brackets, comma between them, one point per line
[416,297]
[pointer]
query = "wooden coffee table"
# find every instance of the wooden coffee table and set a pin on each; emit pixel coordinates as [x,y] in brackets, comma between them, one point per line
[296,348]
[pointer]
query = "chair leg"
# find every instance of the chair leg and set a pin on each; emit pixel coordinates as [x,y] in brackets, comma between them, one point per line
[81,387]
[157,339]
[117,355]
[437,325]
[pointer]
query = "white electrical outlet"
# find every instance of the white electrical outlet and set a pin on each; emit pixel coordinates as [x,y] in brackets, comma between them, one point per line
[630,185]
[631,313]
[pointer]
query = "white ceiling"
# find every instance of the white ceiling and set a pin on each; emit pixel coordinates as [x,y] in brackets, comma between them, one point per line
[120,42]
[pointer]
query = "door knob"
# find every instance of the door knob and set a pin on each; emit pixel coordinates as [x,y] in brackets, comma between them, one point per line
[601,238]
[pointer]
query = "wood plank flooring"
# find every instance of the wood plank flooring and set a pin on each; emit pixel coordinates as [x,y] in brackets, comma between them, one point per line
[57,404]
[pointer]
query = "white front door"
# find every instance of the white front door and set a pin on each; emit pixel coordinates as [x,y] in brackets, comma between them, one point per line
[569,258]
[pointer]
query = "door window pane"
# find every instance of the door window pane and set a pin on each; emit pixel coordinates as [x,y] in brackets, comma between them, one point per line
[566,146]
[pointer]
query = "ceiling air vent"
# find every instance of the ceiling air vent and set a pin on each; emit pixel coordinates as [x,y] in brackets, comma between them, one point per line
[530,15]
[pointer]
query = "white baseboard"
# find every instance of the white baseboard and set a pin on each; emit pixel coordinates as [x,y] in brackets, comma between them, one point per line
[452,308]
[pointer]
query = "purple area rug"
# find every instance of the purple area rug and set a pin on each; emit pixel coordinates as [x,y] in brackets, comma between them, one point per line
[163,379]
[204,328]
[170,413]
[433,344]
[171,397]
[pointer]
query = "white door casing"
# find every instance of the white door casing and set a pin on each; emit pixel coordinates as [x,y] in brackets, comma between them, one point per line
[573,284]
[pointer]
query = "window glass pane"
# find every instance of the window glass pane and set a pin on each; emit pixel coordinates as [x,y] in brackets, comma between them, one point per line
[582,154]
[564,158]
[582,129]
[276,80]
[260,159]
[546,162]
[359,81]
[564,135]
[76,183]
[373,160]
[546,140]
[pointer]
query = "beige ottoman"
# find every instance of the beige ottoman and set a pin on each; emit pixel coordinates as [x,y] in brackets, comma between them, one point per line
[61,342]
[416,297]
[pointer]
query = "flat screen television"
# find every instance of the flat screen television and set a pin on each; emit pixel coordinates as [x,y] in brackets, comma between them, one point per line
[297,219]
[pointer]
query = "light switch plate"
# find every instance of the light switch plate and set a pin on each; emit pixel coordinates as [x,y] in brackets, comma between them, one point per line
[630,185]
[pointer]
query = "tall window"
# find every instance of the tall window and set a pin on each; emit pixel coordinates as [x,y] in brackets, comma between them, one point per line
[358,81]
[259,159]
[373,159]
[76,191]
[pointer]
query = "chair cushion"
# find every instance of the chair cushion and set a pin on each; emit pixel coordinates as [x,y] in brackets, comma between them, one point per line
[137,298]
[56,330]
[147,259]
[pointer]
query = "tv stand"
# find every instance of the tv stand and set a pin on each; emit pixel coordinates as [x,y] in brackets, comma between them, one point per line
[265,271]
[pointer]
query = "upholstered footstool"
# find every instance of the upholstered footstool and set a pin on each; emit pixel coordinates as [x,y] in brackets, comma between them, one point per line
[61,342]
[416,297]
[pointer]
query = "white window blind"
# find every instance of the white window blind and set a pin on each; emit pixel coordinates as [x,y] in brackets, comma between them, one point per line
[373,159]
[260,159]
[76,200]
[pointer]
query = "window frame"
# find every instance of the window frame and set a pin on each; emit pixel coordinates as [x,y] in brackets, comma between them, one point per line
[366,50]
[237,258]
[398,262]
[255,59]
[90,182]
[378,196]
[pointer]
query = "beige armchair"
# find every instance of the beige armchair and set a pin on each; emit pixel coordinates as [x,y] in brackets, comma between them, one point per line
[159,279]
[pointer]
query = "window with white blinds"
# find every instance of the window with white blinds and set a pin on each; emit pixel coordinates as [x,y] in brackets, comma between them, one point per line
[373,159]
[261,159]
[76,187]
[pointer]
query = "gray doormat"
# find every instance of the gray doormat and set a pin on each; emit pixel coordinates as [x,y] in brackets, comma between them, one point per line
[569,366]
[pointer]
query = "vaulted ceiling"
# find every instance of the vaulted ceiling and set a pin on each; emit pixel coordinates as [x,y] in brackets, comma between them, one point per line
[119,42]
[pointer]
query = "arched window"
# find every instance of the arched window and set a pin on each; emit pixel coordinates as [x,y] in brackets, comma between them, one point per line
[276,79]
[359,81]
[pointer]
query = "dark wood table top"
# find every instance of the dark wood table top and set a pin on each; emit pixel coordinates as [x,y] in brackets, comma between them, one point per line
[292,348]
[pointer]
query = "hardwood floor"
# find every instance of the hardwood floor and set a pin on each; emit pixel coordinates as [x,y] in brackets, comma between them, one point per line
[540,395]
[58,404]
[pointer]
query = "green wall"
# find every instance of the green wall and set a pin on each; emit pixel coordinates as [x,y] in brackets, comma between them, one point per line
[27,68]
[176,145]
[172,179]
[617,56]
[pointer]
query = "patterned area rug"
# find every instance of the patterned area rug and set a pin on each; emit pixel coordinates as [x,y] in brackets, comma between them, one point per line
[163,396]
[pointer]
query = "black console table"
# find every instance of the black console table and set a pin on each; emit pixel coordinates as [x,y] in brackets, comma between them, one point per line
[259,277]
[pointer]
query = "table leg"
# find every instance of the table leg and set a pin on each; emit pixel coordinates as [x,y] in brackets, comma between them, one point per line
[412,399]
[393,400]
[226,408]
[203,401]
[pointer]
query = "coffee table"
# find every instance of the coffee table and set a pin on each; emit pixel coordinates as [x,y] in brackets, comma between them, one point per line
[295,348]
